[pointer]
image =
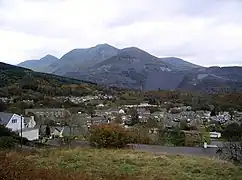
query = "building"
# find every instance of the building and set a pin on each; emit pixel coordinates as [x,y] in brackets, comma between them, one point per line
[30,133]
[48,112]
[29,122]
[14,122]
[215,134]
[121,111]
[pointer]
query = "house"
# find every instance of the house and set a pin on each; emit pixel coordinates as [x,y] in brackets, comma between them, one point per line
[215,134]
[101,112]
[57,132]
[11,121]
[100,105]
[113,111]
[14,122]
[61,131]
[153,131]
[29,122]
[48,112]
[99,120]
[158,115]
[143,111]
[121,111]
[30,133]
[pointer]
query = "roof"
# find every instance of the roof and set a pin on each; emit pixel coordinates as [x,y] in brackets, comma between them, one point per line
[5,117]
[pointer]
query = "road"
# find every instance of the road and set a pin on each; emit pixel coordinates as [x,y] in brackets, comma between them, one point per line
[155,149]
[194,151]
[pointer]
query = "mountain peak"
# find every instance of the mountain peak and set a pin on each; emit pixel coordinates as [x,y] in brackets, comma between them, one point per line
[132,48]
[49,57]
[105,45]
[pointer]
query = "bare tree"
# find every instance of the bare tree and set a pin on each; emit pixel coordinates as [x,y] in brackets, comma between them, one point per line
[74,122]
[232,148]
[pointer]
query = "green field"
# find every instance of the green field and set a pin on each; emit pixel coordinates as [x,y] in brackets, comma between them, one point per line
[115,164]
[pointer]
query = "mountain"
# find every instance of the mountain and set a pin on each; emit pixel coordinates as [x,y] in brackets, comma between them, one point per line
[179,64]
[40,65]
[130,68]
[79,59]
[134,68]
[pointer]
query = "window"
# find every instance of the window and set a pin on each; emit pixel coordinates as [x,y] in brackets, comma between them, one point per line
[14,121]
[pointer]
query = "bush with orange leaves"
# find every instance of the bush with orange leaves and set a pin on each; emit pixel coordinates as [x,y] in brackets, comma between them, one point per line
[109,136]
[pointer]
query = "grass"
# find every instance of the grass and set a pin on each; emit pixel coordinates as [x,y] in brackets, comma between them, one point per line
[125,164]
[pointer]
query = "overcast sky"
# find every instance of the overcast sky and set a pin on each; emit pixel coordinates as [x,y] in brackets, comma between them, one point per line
[206,32]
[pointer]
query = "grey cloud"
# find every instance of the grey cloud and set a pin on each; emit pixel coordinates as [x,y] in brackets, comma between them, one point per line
[221,10]
[203,47]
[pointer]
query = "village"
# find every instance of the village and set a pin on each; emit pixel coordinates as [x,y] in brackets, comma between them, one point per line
[61,122]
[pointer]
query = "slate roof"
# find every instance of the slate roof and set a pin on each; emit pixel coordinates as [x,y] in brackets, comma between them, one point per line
[5,117]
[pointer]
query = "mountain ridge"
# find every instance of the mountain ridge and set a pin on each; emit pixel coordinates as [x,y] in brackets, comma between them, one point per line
[39,64]
[135,68]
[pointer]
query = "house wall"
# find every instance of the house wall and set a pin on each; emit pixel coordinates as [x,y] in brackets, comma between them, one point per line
[31,135]
[15,126]
[31,123]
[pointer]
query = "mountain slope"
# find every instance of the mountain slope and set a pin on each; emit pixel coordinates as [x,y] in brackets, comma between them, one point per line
[78,59]
[134,68]
[179,64]
[130,68]
[40,65]
[214,79]
[17,81]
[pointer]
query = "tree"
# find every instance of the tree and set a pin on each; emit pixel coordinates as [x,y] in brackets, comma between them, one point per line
[152,123]
[134,118]
[233,132]
[213,112]
[90,109]
[47,131]
[3,106]
[232,148]
[231,113]
[184,125]
[118,119]
[74,121]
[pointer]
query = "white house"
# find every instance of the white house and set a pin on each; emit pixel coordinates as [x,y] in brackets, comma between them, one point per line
[215,134]
[121,111]
[13,122]
[30,134]
[30,122]
[100,105]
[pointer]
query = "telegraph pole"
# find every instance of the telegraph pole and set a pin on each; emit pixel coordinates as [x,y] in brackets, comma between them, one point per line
[21,132]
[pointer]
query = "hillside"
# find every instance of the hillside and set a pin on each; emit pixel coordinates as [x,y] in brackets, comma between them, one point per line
[179,64]
[15,80]
[40,65]
[113,165]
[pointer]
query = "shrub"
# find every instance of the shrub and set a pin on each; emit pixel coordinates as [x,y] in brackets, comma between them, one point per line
[7,142]
[140,135]
[109,136]
[66,140]
[173,137]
